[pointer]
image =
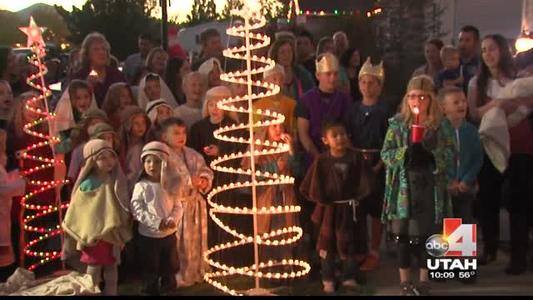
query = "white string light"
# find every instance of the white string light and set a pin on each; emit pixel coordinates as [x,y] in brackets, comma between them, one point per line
[252,20]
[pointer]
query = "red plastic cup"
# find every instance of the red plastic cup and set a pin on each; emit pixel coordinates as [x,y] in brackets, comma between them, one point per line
[417,133]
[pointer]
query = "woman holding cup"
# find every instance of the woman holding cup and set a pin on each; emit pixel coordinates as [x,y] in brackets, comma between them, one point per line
[95,68]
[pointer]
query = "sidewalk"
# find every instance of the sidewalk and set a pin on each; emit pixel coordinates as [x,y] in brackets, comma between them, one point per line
[491,280]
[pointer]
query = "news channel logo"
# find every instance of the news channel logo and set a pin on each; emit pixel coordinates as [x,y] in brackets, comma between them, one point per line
[454,251]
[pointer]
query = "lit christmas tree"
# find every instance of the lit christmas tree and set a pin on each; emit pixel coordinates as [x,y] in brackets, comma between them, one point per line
[39,163]
[272,269]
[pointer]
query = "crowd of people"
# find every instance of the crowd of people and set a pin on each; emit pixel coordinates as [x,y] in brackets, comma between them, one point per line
[138,144]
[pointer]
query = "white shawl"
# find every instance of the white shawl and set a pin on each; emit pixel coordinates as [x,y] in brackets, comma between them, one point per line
[494,127]
[64,115]
[166,94]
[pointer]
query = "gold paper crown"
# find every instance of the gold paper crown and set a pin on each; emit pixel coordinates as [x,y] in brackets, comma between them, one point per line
[327,62]
[373,70]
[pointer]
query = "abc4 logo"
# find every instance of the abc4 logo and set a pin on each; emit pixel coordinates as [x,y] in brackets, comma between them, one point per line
[457,240]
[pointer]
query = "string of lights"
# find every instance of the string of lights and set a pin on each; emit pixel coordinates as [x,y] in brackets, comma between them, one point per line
[243,105]
[38,105]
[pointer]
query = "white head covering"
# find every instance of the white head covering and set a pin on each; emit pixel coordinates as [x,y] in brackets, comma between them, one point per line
[277,69]
[169,178]
[166,94]
[151,108]
[91,150]
[64,116]
[208,65]
[216,92]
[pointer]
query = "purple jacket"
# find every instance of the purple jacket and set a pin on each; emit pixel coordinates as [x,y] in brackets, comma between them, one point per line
[320,111]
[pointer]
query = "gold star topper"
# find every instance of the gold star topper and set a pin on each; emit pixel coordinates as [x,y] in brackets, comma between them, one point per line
[34,33]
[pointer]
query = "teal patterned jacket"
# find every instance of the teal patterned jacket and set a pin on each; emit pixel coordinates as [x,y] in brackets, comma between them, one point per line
[396,202]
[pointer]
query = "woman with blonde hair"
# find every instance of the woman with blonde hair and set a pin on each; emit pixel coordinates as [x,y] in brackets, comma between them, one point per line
[156,62]
[417,152]
[95,65]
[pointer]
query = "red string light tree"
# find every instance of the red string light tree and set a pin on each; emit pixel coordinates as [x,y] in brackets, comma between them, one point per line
[41,214]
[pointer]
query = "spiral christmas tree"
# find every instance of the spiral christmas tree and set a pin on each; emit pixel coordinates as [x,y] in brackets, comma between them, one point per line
[35,208]
[253,20]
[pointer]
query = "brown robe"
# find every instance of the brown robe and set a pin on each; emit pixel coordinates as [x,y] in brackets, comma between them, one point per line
[337,230]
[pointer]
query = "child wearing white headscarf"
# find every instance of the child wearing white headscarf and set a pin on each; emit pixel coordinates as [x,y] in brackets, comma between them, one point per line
[153,87]
[76,100]
[154,206]
[158,111]
[211,69]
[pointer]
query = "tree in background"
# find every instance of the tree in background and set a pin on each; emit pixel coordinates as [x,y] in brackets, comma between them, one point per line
[271,9]
[230,5]
[401,31]
[121,21]
[202,11]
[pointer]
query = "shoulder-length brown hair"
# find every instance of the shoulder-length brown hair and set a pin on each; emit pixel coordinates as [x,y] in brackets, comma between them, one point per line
[112,98]
[274,49]
[90,39]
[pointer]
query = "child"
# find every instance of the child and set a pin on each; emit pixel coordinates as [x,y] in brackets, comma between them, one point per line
[116,99]
[194,88]
[275,195]
[97,218]
[158,214]
[462,178]
[279,103]
[366,123]
[153,87]
[6,102]
[99,130]
[11,185]
[76,100]
[158,111]
[17,140]
[416,200]
[321,104]
[133,136]
[211,70]
[79,134]
[336,182]
[196,180]
[452,74]
[202,140]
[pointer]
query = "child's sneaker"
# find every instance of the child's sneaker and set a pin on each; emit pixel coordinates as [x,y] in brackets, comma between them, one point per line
[350,283]
[407,289]
[329,287]
[422,289]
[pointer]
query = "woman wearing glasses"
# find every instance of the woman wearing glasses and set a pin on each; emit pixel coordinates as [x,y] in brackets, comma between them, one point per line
[417,151]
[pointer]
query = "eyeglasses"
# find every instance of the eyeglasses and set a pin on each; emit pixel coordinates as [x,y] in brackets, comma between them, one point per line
[419,97]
